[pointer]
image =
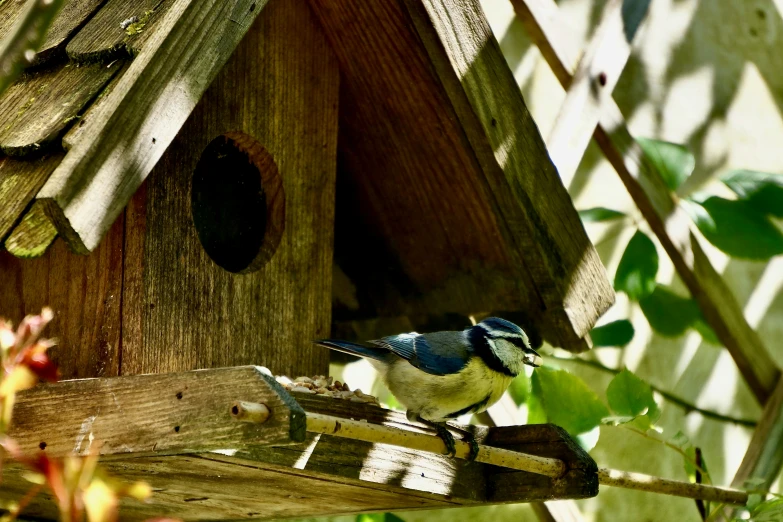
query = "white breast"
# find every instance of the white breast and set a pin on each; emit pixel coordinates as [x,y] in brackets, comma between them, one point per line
[435,397]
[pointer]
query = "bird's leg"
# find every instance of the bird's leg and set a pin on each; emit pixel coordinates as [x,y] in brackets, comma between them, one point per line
[443,432]
[470,440]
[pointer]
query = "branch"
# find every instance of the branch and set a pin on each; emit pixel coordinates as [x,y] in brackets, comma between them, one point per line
[679,401]
[379,434]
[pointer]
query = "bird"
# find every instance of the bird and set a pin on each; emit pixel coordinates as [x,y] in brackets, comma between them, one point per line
[440,376]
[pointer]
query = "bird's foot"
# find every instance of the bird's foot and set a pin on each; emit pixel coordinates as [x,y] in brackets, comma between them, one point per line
[447,438]
[474,447]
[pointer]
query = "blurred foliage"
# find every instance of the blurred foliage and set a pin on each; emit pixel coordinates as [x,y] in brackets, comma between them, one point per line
[79,486]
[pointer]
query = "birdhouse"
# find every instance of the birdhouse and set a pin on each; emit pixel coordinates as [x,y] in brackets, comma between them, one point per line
[182,182]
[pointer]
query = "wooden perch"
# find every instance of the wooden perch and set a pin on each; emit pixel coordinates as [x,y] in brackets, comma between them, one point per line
[555,468]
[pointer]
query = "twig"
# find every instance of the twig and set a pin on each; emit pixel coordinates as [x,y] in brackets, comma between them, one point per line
[668,444]
[679,401]
[642,482]
[379,434]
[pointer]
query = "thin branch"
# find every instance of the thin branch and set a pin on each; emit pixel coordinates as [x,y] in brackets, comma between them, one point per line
[641,482]
[668,444]
[679,401]
[380,434]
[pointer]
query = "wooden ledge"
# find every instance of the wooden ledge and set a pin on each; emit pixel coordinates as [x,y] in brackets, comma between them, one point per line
[218,468]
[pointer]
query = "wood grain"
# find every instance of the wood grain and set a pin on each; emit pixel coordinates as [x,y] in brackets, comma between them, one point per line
[141,116]
[320,476]
[474,233]
[668,220]
[161,414]
[103,38]
[85,294]
[38,109]
[33,235]
[20,181]
[593,82]
[182,311]
[71,18]
[521,177]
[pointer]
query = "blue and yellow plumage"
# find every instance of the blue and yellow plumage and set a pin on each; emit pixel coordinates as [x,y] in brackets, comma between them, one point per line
[442,375]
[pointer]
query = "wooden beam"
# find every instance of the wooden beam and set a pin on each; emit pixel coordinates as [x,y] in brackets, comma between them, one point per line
[142,115]
[153,414]
[33,235]
[20,181]
[668,220]
[593,82]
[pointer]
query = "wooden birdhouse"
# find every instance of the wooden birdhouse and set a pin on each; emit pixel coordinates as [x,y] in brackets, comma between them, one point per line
[180,179]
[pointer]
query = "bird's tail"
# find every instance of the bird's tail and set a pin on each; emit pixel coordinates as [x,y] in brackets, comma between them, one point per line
[354,349]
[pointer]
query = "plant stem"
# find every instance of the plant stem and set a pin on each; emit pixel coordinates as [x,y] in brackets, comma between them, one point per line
[676,448]
[679,401]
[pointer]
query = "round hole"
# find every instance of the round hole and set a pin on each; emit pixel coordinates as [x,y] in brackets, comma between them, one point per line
[237,203]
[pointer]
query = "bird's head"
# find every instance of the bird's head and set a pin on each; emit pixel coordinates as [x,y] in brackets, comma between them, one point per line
[509,343]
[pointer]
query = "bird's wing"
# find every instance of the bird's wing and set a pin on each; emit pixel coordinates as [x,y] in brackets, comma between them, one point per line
[436,353]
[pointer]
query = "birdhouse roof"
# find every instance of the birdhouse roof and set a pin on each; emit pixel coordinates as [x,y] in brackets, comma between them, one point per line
[443,176]
[108,90]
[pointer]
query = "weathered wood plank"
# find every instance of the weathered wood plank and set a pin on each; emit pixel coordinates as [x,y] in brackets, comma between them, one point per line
[33,235]
[73,134]
[167,413]
[22,30]
[20,181]
[454,93]
[37,109]
[142,115]
[72,16]
[203,487]
[593,82]
[280,87]
[104,37]
[321,475]
[83,291]
[500,128]
[669,222]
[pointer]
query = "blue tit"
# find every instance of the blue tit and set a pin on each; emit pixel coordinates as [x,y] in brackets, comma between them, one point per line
[442,375]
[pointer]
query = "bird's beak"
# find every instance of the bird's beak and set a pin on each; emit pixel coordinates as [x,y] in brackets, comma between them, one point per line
[533,359]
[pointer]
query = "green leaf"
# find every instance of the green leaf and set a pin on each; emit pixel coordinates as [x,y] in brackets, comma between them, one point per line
[568,401]
[762,189]
[674,162]
[707,333]
[598,214]
[769,511]
[668,313]
[737,228]
[371,517]
[616,333]
[638,267]
[630,396]
[520,388]
[535,407]
[391,517]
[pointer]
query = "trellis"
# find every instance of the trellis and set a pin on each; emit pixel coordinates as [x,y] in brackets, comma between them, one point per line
[589,111]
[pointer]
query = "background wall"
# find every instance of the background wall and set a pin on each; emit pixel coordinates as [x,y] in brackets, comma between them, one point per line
[709,74]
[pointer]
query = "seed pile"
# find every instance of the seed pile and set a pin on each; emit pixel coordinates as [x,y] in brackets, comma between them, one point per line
[322,385]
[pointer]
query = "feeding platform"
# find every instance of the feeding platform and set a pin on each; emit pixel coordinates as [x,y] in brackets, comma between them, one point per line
[183,433]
